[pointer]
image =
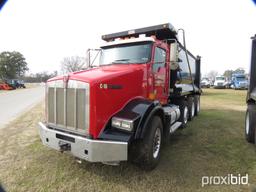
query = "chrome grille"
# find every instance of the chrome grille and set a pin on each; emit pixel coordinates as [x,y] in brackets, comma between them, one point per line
[68,108]
[242,84]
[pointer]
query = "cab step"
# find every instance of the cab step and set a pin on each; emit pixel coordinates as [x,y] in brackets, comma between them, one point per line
[175,126]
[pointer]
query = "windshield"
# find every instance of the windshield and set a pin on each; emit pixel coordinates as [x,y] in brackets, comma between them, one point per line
[241,78]
[127,53]
[220,78]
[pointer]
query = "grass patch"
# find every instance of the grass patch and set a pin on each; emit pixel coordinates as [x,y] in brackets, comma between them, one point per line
[212,144]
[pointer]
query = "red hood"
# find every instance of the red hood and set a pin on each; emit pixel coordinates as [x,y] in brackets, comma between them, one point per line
[103,73]
[105,103]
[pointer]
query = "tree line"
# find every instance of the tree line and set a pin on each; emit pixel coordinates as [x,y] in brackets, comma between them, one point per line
[227,73]
[12,65]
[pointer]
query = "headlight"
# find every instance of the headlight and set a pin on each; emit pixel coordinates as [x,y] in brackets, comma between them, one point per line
[122,124]
[116,122]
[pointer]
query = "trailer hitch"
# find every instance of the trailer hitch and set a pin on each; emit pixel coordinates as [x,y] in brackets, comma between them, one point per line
[64,146]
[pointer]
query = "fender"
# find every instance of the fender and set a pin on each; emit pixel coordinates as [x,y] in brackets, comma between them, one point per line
[141,110]
[143,127]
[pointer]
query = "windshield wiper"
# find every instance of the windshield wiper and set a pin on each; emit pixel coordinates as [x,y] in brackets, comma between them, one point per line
[121,60]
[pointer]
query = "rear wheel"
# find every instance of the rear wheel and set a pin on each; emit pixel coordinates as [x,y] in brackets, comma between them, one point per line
[191,108]
[197,104]
[250,123]
[151,145]
[183,113]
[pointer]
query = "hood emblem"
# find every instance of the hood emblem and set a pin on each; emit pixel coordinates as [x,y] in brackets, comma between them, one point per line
[110,86]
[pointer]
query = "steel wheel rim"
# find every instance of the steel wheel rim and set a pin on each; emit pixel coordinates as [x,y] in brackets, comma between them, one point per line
[247,123]
[185,114]
[156,143]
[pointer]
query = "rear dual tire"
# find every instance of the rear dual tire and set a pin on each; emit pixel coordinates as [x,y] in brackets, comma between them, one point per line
[191,108]
[197,104]
[250,123]
[184,113]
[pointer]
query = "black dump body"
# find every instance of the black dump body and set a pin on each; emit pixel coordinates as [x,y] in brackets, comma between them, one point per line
[186,79]
[251,94]
[162,32]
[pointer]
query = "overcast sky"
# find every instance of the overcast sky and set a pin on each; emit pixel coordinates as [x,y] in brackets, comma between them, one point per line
[45,31]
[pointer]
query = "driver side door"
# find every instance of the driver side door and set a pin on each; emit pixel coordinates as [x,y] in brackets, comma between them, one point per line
[159,74]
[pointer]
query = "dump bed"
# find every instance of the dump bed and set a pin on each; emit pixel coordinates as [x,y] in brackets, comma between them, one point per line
[188,73]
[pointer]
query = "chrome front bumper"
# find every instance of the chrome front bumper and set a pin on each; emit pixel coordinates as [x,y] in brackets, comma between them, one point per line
[83,148]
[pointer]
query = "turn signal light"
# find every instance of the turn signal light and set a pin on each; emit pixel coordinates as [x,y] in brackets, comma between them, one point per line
[152,96]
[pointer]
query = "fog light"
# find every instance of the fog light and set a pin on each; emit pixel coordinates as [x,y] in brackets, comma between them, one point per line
[126,125]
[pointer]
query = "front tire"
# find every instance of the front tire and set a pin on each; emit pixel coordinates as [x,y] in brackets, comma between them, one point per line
[250,123]
[152,144]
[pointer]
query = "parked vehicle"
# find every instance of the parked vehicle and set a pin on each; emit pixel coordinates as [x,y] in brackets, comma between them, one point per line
[15,83]
[229,83]
[220,82]
[250,117]
[239,81]
[5,86]
[205,83]
[126,108]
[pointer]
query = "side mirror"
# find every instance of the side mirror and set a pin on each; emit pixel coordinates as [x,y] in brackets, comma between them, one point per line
[92,55]
[174,56]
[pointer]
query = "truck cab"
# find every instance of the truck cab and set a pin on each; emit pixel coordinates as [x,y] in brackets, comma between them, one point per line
[146,86]
[239,81]
[205,83]
[220,82]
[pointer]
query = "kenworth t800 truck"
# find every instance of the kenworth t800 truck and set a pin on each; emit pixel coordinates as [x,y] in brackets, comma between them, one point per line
[146,86]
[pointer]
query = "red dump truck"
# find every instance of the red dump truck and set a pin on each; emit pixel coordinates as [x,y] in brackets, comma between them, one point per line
[146,86]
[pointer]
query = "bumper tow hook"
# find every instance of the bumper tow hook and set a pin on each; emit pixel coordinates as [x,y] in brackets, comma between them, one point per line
[64,146]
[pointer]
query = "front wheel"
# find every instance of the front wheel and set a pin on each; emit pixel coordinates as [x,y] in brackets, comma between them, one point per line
[151,146]
[250,123]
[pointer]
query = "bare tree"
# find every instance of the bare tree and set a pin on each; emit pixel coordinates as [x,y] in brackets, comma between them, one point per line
[212,74]
[240,70]
[228,73]
[74,63]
